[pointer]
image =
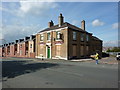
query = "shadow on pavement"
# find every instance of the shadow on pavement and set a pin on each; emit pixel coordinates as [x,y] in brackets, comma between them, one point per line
[12,69]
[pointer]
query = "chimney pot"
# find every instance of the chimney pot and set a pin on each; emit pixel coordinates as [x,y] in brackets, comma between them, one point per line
[50,24]
[83,24]
[61,20]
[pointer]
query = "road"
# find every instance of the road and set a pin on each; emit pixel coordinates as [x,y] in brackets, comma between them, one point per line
[19,73]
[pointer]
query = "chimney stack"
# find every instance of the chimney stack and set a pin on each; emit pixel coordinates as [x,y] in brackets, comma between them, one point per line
[83,24]
[50,24]
[61,20]
[16,41]
[26,38]
[20,40]
[32,37]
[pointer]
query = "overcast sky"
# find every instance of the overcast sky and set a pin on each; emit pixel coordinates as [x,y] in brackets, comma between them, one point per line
[20,19]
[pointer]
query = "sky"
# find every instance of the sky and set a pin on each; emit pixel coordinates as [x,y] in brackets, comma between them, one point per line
[20,19]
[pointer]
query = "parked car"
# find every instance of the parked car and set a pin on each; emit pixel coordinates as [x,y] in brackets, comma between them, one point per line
[118,56]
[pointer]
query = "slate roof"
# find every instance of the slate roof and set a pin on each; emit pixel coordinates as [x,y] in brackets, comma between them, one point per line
[95,38]
[66,24]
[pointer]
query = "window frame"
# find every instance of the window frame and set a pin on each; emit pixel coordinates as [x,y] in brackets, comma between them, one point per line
[74,35]
[82,37]
[58,33]
[48,39]
[87,37]
[31,45]
[41,36]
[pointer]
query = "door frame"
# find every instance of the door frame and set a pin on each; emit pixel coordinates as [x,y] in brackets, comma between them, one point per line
[47,51]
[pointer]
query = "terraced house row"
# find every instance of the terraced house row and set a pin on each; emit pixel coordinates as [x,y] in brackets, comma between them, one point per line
[61,41]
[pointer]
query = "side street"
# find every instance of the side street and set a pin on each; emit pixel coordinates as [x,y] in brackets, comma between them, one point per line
[37,73]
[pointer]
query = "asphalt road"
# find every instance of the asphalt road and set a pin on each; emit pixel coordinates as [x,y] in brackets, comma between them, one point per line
[58,74]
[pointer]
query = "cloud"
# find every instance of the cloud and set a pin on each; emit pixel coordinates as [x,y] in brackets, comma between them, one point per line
[35,8]
[110,43]
[97,22]
[6,10]
[13,32]
[76,22]
[115,26]
[27,8]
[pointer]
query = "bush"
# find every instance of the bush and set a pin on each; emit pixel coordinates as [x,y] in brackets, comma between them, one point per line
[115,49]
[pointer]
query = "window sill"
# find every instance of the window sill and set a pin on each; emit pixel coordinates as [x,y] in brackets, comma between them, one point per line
[74,40]
[59,40]
[41,41]
[48,40]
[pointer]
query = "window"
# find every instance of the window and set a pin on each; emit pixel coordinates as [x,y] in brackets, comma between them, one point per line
[21,46]
[41,37]
[48,36]
[87,49]
[82,50]
[41,49]
[30,45]
[74,35]
[58,35]
[87,37]
[82,37]
[74,50]
[58,48]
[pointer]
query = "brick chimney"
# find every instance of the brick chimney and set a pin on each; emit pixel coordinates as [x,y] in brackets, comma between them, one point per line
[32,37]
[26,38]
[60,20]
[16,41]
[20,40]
[83,24]
[50,24]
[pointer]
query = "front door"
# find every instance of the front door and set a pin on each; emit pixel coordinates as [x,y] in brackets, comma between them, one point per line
[48,52]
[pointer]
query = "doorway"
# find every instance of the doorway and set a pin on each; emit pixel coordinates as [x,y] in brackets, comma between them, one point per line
[48,52]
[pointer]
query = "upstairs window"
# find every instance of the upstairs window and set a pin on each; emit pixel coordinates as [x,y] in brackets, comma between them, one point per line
[82,37]
[48,36]
[87,37]
[74,36]
[30,45]
[20,45]
[58,35]
[41,37]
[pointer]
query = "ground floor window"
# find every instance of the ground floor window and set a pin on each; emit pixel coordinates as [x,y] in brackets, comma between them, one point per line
[87,50]
[41,49]
[74,50]
[82,50]
[58,48]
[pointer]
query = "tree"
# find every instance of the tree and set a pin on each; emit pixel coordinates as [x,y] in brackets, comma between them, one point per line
[108,50]
[115,49]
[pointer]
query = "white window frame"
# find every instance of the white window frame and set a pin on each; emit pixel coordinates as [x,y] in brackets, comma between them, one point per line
[49,37]
[41,37]
[58,35]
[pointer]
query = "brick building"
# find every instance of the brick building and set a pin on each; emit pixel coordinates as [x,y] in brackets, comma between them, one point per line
[25,47]
[61,41]
[31,46]
[20,48]
[1,50]
[66,41]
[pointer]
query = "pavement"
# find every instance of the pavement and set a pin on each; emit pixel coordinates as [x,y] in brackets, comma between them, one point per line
[36,73]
